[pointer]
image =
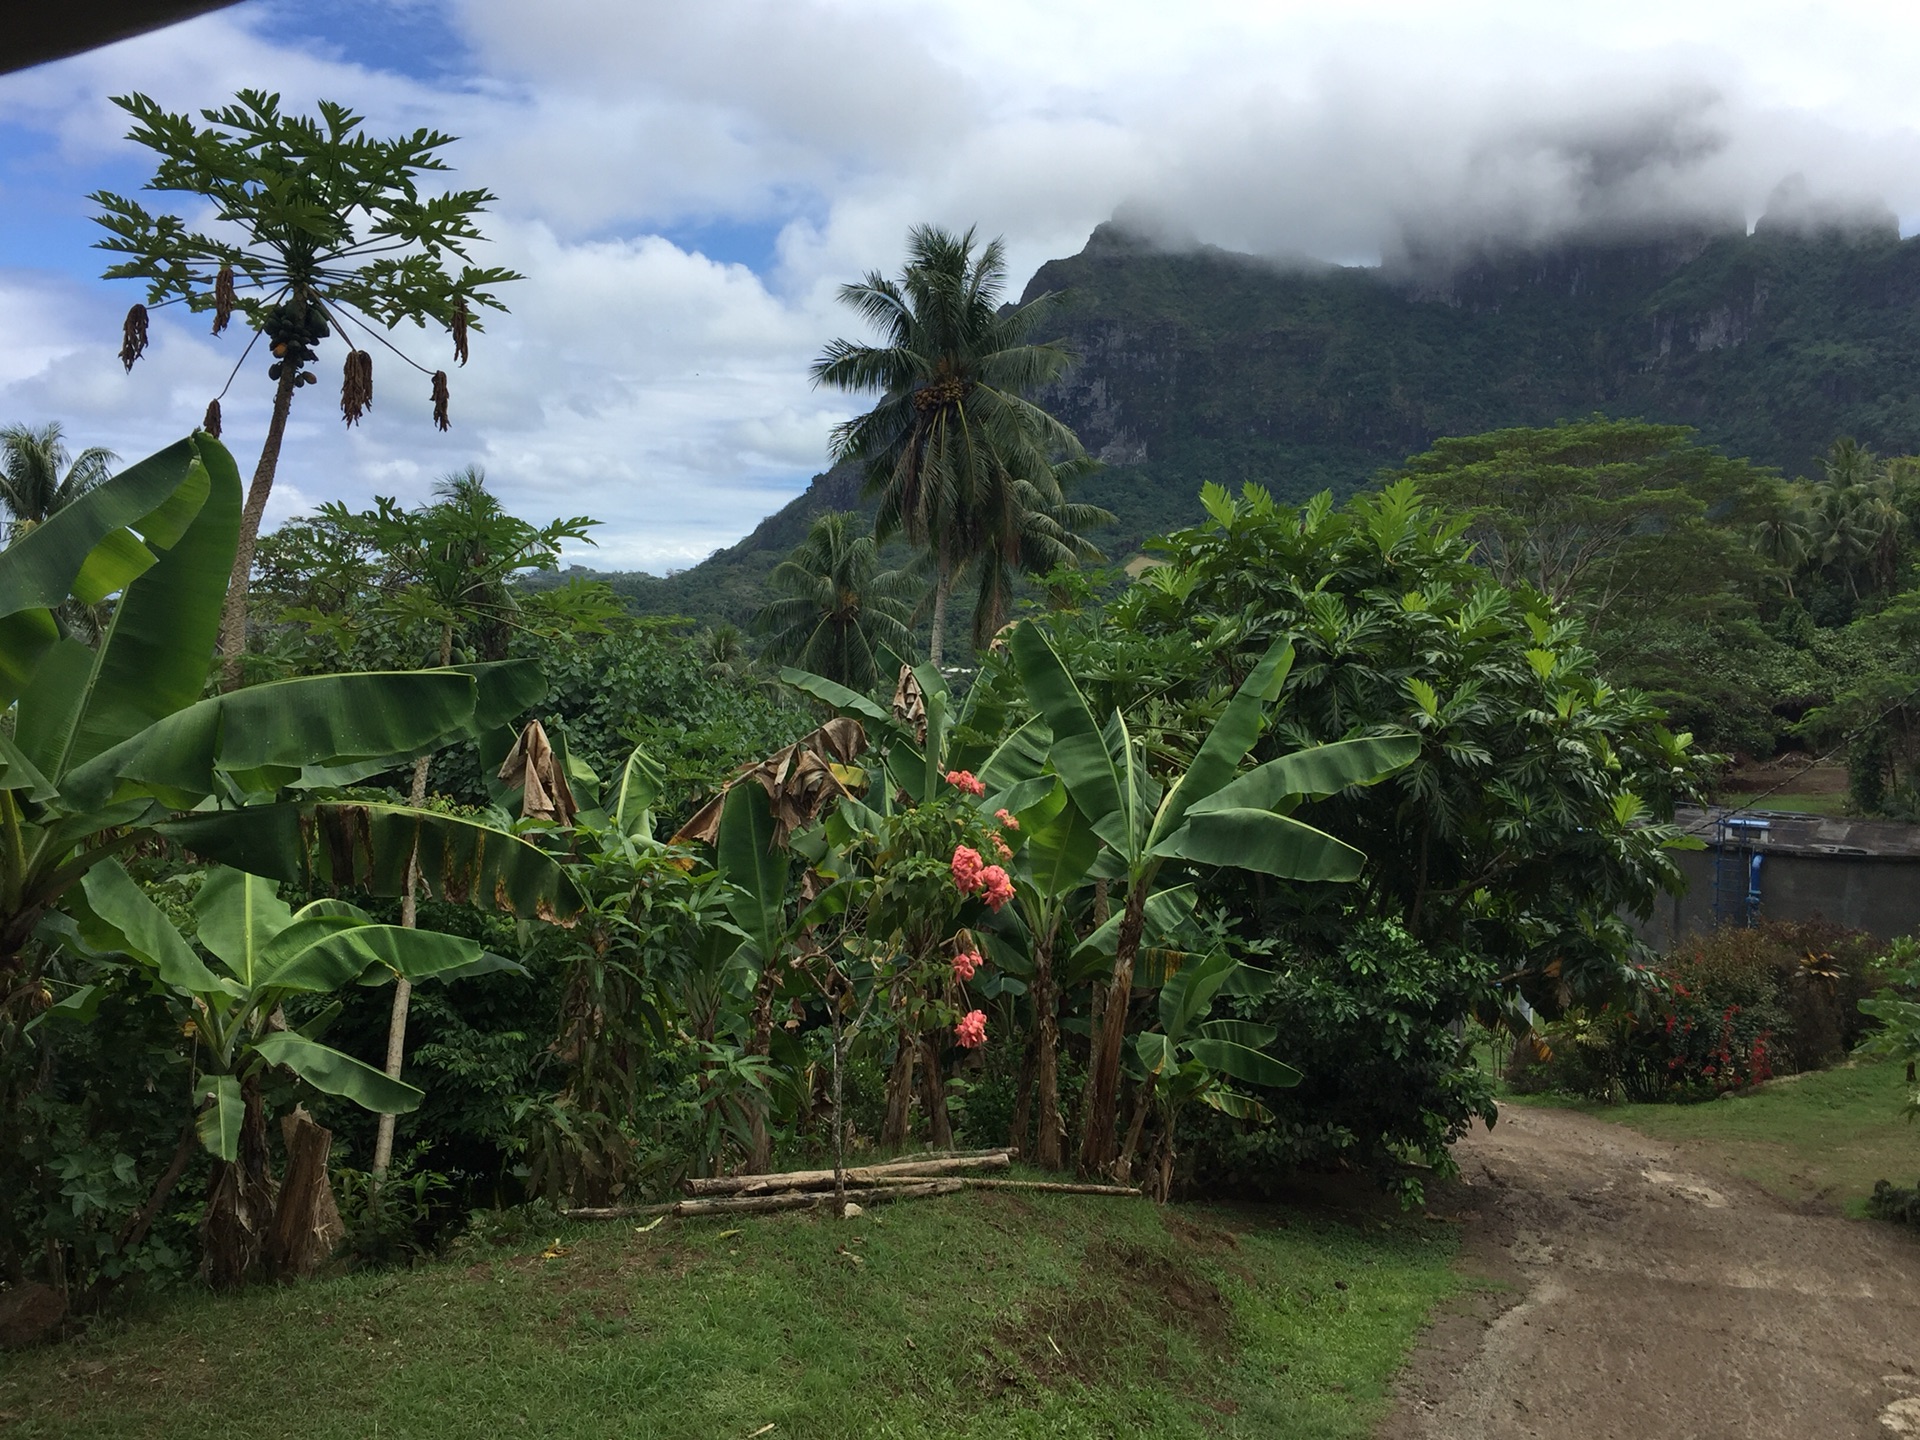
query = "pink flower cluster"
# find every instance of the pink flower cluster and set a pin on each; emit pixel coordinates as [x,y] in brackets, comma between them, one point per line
[972,876]
[971,1031]
[1001,848]
[1006,819]
[966,964]
[964,780]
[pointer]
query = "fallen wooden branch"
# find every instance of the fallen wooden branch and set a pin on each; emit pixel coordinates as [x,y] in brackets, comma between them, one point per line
[905,1189]
[874,1190]
[856,1175]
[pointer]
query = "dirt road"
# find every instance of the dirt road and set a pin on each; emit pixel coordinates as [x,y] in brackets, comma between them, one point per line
[1646,1298]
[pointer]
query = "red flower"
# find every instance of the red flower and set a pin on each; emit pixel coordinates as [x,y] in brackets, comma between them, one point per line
[1000,848]
[965,964]
[963,780]
[971,1032]
[996,887]
[967,869]
[1006,820]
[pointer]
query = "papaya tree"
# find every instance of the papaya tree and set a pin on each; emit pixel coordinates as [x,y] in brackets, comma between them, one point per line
[1211,815]
[322,230]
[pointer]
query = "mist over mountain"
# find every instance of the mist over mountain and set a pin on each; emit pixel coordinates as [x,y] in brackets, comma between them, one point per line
[1202,364]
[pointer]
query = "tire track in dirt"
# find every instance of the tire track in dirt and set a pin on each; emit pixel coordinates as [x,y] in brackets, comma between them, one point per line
[1640,1295]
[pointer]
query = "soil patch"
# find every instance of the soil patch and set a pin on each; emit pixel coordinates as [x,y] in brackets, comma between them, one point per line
[1079,1333]
[1629,1290]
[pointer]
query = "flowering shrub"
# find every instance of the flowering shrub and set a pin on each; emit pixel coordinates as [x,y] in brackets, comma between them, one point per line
[964,780]
[971,1030]
[1722,1012]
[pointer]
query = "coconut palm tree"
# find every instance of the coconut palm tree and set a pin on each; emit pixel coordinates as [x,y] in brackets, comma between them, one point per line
[955,449]
[1022,530]
[1785,536]
[32,486]
[837,608]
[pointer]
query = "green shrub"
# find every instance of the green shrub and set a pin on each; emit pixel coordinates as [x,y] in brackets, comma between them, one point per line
[1376,1030]
[1898,1203]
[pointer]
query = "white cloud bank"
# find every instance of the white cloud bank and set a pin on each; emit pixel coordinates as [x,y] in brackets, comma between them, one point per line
[666,393]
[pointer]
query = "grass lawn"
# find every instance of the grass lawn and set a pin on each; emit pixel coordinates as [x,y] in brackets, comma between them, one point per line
[978,1314]
[1822,1138]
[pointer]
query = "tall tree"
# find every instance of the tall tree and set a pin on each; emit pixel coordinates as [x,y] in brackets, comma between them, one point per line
[837,608]
[320,225]
[955,449]
[32,486]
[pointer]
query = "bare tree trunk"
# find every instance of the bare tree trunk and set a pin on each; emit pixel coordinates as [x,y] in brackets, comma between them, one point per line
[1142,1103]
[933,1078]
[839,1112]
[233,616]
[1103,1069]
[403,987]
[402,990]
[1049,1141]
[142,1222]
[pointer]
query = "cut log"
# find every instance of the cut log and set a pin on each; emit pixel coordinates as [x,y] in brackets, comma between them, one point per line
[766,1204]
[306,1221]
[856,1175]
[1048,1186]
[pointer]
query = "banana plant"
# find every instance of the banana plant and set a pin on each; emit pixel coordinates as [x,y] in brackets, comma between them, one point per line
[1193,1058]
[114,745]
[263,954]
[1212,814]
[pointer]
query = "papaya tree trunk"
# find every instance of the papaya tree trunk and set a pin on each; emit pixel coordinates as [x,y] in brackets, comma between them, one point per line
[1103,1071]
[233,617]
[240,1195]
[934,1080]
[1049,1141]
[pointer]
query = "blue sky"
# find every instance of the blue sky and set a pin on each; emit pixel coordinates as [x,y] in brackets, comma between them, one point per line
[684,186]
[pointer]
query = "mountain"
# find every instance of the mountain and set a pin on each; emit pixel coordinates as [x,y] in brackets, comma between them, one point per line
[1208,365]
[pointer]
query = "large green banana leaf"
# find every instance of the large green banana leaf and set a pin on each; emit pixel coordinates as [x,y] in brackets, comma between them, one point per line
[154,657]
[348,955]
[1261,841]
[1314,772]
[833,693]
[357,846]
[1060,846]
[1079,751]
[218,1123]
[238,917]
[1243,1064]
[1228,742]
[95,547]
[639,784]
[118,916]
[755,867]
[328,1069]
[282,726]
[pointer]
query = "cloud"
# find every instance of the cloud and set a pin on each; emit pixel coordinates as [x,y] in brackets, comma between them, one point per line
[665,392]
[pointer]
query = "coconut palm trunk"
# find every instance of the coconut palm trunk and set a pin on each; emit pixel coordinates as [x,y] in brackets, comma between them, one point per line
[942,592]
[233,619]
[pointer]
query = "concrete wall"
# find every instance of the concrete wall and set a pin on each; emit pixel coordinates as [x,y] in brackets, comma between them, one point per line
[1879,894]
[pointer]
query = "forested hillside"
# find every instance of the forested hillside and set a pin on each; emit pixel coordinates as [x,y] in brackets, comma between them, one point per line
[1207,365]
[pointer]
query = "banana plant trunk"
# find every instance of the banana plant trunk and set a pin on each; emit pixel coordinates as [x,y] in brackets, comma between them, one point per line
[240,1200]
[233,617]
[1103,1071]
[934,1080]
[761,1043]
[895,1129]
[1050,1131]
